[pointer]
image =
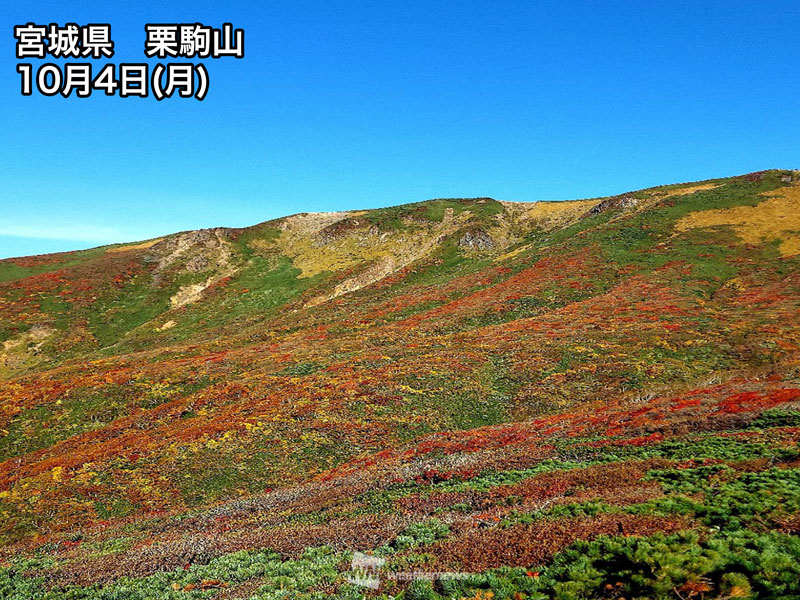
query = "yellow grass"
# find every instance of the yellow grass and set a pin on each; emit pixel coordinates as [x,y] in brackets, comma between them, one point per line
[685,191]
[141,246]
[513,253]
[776,218]
[548,214]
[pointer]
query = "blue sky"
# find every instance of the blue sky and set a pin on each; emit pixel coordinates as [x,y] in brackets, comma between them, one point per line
[357,105]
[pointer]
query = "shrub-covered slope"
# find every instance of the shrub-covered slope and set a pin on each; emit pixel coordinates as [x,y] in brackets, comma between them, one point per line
[588,399]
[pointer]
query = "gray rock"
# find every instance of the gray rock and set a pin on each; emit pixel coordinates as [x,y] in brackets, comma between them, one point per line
[476,240]
[617,202]
[197,263]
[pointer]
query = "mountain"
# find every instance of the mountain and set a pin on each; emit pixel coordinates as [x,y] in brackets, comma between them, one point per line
[578,399]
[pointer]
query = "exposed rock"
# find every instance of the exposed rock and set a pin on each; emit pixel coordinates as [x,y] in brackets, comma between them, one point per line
[309,224]
[168,250]
[476,240]
[336,231]
[201,250]
[757,176]
[188,294]
[197,263]
[168,325]
[615,202]
[209,238]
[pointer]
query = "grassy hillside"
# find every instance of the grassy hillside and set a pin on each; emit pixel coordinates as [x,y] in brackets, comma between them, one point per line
[587,399]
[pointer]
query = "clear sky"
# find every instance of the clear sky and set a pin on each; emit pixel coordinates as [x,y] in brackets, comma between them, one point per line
[346,105]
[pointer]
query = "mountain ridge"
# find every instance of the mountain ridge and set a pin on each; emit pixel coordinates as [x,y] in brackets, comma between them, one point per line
[361,210]
[522,212]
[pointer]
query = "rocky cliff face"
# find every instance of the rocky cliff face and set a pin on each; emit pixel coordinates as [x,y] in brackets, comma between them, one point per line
[476,240]
[617,202]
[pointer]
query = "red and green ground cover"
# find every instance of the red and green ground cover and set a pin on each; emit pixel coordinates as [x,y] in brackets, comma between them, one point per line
[593,399]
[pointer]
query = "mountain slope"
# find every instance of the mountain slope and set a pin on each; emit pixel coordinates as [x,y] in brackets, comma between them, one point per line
[340,378]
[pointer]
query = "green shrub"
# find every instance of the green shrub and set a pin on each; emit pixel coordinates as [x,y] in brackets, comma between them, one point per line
[420,589]
[421,534]
[778,417]
[741,564]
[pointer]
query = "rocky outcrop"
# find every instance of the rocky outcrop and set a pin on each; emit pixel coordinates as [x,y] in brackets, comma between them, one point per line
[476,240]
[201,251]
[616,202]
[194,251]
[197,263]
[340,229]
